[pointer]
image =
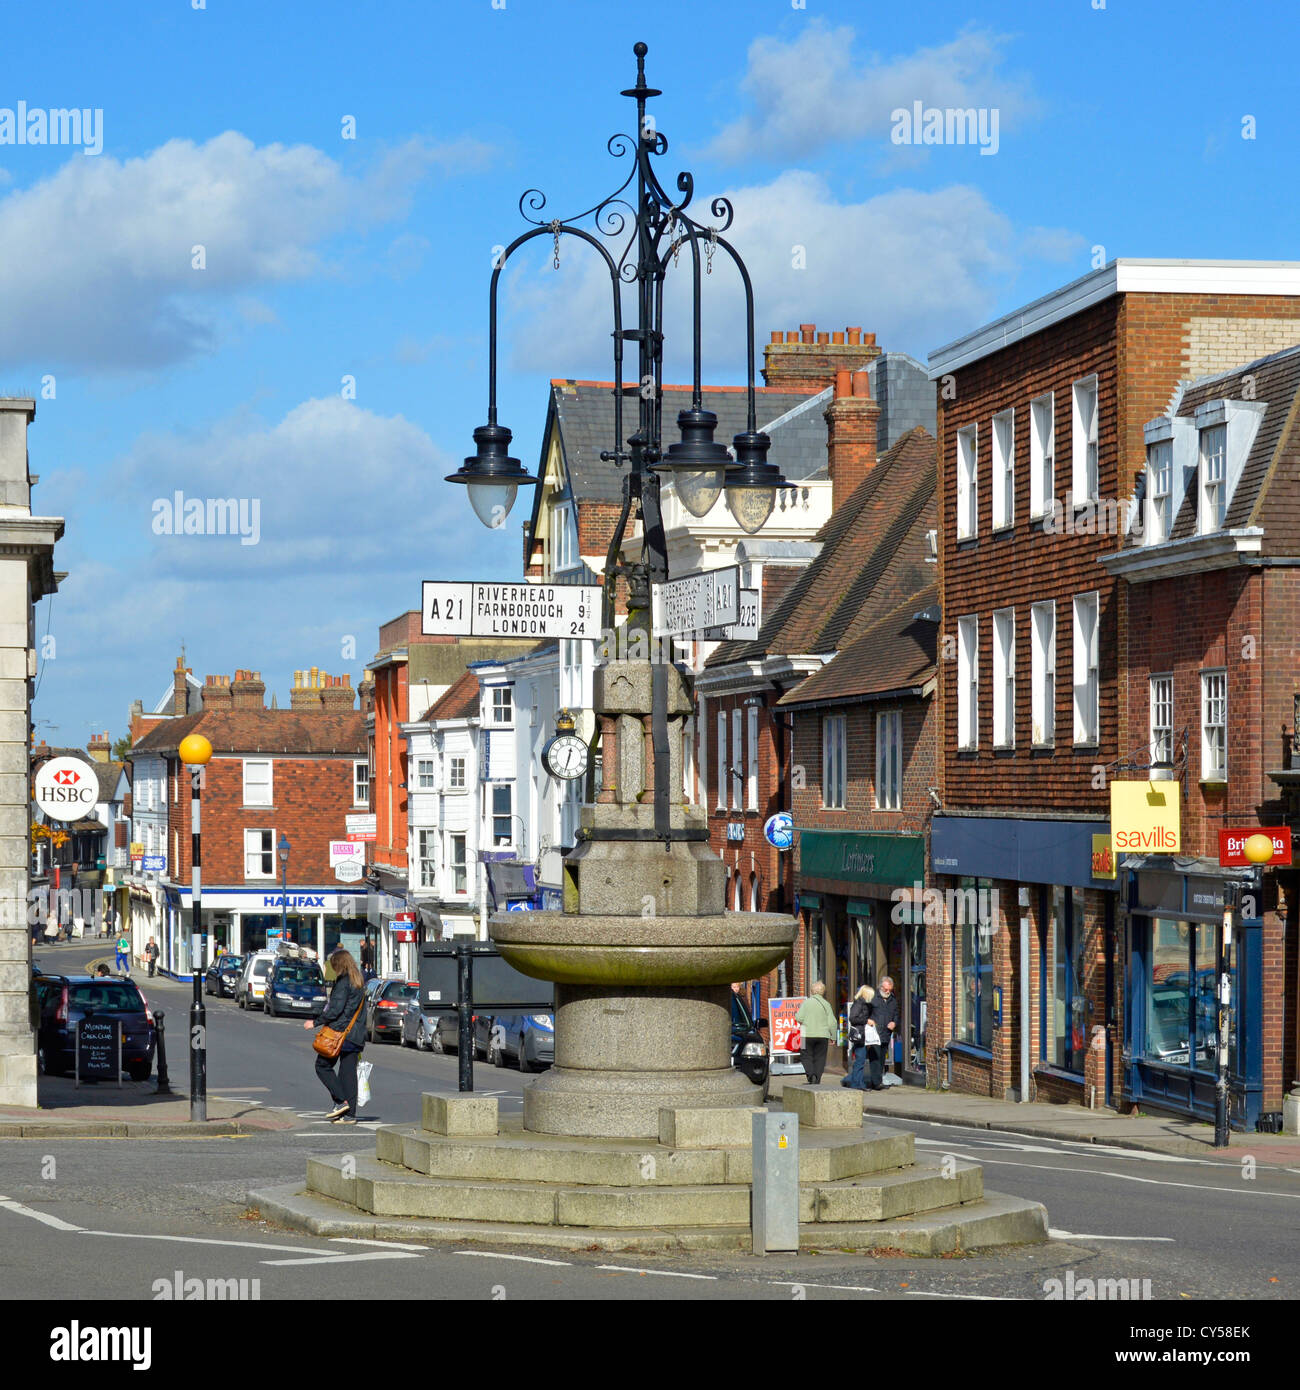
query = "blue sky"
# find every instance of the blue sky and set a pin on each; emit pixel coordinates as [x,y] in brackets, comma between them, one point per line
[326,257]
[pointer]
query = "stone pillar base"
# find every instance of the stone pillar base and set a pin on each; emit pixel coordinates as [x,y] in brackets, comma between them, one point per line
[17,1071]
[626,1104]
[1291,1113]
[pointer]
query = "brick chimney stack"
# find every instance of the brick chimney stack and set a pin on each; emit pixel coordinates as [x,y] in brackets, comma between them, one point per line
[850,434]
[100,747]
[180,687]
[807,361]
[337,695]
[304,694]
[217,693]
[247,690]
[366,693]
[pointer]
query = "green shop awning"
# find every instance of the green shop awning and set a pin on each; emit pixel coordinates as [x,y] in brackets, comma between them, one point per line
[852,858]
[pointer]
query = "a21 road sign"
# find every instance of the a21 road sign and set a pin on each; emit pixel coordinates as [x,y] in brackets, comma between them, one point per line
[469,609]
[697,603]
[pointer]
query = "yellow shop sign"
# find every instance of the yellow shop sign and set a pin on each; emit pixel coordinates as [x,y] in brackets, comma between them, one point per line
[1144,817]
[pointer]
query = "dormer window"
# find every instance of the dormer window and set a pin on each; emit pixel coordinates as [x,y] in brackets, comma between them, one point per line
[1160,489]
[1214,457]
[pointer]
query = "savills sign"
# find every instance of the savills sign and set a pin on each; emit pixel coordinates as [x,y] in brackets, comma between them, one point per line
[1144,817]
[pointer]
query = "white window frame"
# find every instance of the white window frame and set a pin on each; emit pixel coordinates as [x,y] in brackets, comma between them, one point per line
[456,772]
[1160,491]
[889,760]
[1161,709]
[1214,725]
[426,853]
[564,549]
[262,853]
[360,782]
[967,482]
[1004,678]
[1087,693]
[722,760]
[968,679]
[256,798]
[737,759]
[1042,625]
[751,759]
[503,705]
[1086,477]
[424,774]
[1004,469]
[1042,455]
[1212,476]
[834,758]
[458,868]
[507,816]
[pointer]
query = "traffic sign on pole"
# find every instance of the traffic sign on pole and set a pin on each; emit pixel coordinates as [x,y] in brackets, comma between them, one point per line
[747,626]
[470,609]
[697,603]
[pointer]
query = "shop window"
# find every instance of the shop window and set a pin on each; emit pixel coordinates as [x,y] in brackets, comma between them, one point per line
[1063,1033]
[1180,1006]
[975,962]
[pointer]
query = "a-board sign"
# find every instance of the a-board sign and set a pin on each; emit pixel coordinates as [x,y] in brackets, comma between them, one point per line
[471,609]
[496,986]
[697,603]
[99,1048]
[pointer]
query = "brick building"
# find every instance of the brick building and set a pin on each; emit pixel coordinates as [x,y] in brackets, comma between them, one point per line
[1213,655]
[1041,440]
[275,776]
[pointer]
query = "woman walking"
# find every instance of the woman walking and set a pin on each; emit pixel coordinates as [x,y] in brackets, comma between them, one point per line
[818,1025]
[345,1012]
[859,1013]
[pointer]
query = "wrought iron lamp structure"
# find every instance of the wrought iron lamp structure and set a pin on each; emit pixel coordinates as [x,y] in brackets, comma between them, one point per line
[701,467]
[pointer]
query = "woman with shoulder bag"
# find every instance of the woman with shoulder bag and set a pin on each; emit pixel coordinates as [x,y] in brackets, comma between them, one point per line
[342,1037]
[859,1015]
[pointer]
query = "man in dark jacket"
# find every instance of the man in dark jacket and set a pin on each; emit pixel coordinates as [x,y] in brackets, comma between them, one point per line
[346,1002]
[884,1014]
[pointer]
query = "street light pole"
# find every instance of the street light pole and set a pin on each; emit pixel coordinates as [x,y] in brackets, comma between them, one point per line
[194,751]
[284,887]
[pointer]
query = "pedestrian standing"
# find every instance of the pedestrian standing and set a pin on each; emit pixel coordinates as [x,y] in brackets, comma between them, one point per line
[884,1014]
[367,958]
[151,955]
[859,1013]
[817,1025]
[345,1011]
[124,954]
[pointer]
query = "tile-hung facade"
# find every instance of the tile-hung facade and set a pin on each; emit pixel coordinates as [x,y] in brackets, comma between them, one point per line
[1041,438]
[864,730]
[1213,589]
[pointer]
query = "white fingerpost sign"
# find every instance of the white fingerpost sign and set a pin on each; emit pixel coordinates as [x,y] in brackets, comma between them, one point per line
[697,603]
[510,610]
[66,788]
[747,626]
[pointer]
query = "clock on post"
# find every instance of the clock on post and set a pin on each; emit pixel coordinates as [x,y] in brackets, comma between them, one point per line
[565,755]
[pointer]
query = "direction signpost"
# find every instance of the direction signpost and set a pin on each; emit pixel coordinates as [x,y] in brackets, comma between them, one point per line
[697,603]
[471,609]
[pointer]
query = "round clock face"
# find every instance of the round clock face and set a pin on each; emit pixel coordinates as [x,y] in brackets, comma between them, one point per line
[566,757]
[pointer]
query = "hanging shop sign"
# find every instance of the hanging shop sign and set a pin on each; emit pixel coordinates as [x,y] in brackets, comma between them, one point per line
[1144,817]
[778,830]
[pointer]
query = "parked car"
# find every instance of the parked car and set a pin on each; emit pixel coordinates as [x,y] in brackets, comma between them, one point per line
[223,975]
[66,999]
[251,985]
[528,1039]
[386,1008]
[294,986]
[446,1033]
[418,1024]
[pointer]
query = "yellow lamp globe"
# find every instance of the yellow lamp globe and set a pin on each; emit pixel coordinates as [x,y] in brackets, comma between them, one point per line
[194,748]
[1259,849]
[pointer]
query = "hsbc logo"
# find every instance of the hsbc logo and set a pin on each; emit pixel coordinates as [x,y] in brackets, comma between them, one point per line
[65,789]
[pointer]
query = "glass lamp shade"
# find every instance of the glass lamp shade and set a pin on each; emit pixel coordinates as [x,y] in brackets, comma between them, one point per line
[699,489]
[492,501]
[751,506]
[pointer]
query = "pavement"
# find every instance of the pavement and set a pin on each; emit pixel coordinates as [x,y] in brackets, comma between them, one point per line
[1154,1133]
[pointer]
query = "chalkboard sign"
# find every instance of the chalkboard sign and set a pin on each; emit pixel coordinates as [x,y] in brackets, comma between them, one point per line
[99,1049]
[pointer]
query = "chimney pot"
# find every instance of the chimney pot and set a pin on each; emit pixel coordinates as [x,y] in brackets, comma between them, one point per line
[777,335]
[862,383]
[869,339]
[855,336]
[792,336]
[807,331]
[823,337]
[842,383]
[837,339]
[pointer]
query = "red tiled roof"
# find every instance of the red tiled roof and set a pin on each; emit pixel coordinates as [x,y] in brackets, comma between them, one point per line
[263,731]
[459,701]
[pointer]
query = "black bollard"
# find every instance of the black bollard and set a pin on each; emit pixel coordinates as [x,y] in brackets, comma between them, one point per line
[164,1086]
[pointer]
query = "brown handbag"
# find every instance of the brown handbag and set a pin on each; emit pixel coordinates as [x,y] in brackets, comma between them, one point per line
[329,1041]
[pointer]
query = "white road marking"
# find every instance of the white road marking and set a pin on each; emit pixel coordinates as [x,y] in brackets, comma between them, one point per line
[667,1273]
[1055,1234]
[385,1244]
[346,1259]
[808,1284]
[59,1225]
[971,1297]
[522,1259]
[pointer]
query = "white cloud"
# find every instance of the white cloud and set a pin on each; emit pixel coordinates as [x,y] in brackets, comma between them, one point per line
[813,92]
[917,268]
[99,264]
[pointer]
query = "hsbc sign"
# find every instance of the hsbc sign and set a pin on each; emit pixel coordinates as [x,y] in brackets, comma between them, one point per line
[66,789]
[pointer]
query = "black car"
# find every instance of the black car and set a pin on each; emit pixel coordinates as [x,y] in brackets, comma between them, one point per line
[222,975]
[294,987]
[445,1036]
[66,999]
[386,1008]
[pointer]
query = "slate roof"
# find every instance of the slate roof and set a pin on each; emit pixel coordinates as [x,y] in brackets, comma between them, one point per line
[873,554]
[263,731]
[460,701]
[109,774]
[896,652]
[1265,494]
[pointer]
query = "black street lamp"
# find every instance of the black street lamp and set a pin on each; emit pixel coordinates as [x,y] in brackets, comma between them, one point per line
[700,467]
[283,851]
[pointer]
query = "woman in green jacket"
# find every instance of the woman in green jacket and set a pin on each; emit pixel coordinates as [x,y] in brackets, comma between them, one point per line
[817,1026]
